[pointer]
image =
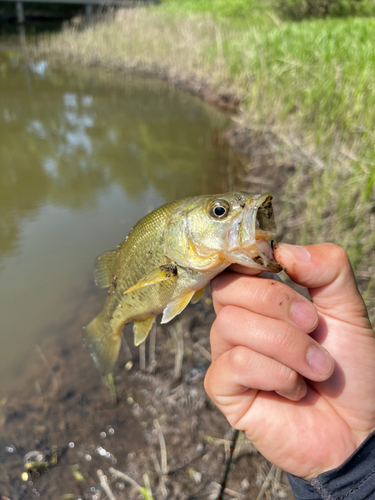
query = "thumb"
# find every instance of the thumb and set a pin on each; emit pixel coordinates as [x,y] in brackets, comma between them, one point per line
[326,271]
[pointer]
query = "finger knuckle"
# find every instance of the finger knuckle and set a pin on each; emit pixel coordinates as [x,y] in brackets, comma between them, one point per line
[239,360]
[338,254]
[225,317]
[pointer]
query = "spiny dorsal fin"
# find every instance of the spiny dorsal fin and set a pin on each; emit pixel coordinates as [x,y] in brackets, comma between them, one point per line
[104,265]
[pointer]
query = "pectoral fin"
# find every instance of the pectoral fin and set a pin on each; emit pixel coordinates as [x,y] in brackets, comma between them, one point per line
[197,296]
[104,265]
[141,329]
[162,273]
[176,307]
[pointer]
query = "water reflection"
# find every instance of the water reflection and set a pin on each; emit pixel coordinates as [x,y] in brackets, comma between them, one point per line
[80,162]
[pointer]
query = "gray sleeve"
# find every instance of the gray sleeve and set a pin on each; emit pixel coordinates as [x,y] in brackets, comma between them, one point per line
[352,480]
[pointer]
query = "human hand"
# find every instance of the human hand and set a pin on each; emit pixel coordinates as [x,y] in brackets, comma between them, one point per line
[305,410]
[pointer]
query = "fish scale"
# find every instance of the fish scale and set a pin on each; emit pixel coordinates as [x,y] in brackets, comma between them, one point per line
[169,256]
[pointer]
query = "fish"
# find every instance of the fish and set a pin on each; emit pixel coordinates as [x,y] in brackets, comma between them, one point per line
[169,257]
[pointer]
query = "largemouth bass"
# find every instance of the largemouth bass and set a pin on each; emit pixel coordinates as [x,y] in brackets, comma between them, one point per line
[167,259]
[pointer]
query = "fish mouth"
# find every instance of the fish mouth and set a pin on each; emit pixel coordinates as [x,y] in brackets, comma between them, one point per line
[264,228]
[252,246]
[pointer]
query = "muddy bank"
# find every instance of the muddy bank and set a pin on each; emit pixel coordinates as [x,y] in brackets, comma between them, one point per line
[61,405]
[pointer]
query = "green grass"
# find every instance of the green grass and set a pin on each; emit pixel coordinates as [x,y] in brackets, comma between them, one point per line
[232,9]
[290,9]
[311,83]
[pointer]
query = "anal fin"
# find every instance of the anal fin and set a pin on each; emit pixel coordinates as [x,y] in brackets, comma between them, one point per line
[141,329]
[162,273]
[176,307]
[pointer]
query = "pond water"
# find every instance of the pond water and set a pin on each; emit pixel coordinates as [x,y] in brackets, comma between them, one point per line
[83,156]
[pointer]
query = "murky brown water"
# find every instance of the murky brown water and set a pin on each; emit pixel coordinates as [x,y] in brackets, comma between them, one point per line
[82,158]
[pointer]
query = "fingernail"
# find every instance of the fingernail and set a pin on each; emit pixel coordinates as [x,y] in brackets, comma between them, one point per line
[296,252]
[319,360]
[304,315]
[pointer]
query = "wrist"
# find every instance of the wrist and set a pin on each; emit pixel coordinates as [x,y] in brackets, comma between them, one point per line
[353,479]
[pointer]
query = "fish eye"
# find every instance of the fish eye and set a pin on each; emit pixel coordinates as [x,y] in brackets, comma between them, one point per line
[219,209]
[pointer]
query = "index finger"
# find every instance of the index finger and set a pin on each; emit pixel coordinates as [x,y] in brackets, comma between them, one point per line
[266,297]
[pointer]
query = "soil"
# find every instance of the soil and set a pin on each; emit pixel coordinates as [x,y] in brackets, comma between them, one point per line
[62,405]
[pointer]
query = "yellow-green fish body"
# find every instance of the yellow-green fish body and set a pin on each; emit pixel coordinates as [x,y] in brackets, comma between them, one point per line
[169,257]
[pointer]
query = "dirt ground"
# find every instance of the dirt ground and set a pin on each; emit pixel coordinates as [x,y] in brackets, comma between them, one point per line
[61,406]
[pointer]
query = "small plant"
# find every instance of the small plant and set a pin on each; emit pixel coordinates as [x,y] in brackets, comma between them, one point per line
[145,491]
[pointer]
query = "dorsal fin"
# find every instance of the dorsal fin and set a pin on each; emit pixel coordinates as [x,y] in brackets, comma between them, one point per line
[104,265]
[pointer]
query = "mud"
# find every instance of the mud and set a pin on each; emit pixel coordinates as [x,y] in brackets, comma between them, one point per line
[61,403]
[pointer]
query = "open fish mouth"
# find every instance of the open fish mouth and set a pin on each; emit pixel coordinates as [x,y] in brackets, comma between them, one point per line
[264,227]
[251,241]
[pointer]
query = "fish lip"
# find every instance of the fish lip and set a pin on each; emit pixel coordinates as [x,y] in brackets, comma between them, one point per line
[264,201]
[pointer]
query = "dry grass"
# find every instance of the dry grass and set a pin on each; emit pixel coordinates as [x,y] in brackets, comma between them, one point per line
[141,39]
